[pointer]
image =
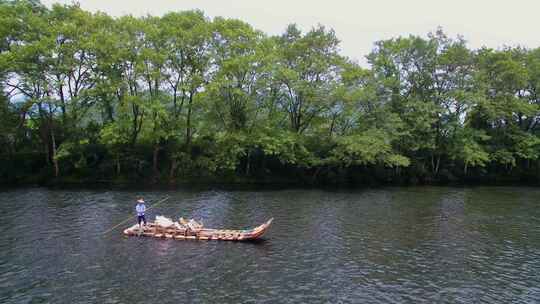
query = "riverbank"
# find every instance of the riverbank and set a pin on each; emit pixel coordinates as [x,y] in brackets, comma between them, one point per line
[268,182]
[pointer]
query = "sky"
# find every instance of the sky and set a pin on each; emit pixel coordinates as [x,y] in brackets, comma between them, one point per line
[358,24]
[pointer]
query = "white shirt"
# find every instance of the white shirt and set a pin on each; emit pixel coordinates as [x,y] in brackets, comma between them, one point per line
[140,208]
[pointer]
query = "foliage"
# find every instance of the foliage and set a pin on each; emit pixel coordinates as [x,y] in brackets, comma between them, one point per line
[183,96]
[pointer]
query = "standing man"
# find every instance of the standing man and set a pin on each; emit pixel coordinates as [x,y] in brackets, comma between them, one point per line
[140,208]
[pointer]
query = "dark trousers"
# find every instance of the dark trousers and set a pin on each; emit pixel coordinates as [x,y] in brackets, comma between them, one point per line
[141,218]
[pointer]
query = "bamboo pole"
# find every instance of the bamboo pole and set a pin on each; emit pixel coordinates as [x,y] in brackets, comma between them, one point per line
[131,216]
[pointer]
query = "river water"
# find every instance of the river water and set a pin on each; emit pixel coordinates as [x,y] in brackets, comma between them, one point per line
[388,245]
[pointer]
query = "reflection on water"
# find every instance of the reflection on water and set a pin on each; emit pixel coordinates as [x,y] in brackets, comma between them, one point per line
[395,245]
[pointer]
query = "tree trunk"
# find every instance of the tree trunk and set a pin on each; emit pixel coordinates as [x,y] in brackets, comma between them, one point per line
[248,156]
[172,171]
[44,134]
[109,109]
[331,131]
[175,107]
[435,162]
[136,123]
[63,105]
[155,161]
[316,174]
[55,160]
[118,164]
[188,120]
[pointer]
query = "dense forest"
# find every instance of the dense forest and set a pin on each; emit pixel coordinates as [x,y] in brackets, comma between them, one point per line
[183,97]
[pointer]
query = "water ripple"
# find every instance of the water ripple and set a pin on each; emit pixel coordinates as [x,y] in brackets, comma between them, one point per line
[396,245]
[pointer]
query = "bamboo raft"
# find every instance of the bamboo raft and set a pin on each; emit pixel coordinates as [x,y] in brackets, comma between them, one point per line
[207,234]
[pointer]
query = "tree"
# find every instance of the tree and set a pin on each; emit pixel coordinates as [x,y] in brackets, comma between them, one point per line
[429,83]
[187,63]
[307,70]
[86,94]
[507,110]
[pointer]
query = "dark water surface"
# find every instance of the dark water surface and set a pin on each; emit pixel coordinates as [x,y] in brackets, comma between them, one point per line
[392,245]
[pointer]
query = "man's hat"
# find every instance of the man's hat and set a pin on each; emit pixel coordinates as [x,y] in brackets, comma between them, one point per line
[140,200]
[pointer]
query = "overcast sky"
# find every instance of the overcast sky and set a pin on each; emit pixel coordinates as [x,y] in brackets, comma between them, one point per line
[358,24]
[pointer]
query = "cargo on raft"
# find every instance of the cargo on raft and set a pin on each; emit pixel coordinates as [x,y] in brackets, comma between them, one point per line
[163,227]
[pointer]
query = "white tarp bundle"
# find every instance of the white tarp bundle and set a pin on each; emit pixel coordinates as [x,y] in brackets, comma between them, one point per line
[166,222]
[163,221]
[194,225]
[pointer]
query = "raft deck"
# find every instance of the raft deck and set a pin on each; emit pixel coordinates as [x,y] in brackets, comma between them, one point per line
[206,234]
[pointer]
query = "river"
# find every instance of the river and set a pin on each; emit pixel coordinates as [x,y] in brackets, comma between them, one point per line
[387,245]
